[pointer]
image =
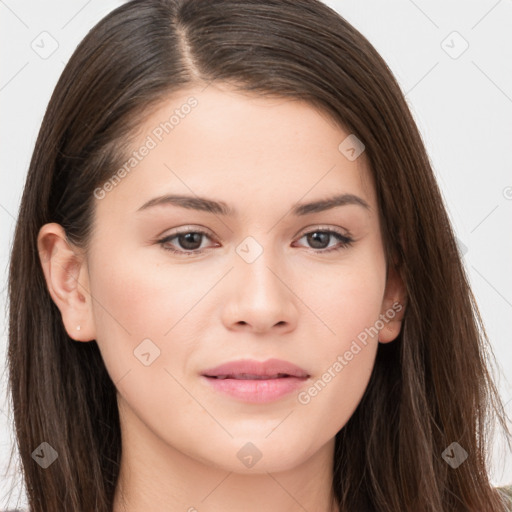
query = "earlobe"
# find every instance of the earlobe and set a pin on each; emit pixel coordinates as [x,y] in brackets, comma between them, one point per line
[65,272]
[393,306]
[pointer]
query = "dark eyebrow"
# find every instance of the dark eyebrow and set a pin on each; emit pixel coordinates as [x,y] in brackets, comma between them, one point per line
[326,204]
[221,208]
[190,202]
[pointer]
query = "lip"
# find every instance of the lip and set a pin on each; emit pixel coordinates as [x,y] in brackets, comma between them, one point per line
[254,381]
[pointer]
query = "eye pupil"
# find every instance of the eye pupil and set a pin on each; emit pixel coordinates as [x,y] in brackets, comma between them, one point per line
[314,236]
[190,238]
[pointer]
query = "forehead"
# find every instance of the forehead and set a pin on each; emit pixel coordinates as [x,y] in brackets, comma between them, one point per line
[245,149]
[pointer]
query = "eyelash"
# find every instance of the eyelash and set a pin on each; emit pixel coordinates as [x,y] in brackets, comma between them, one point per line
[345,241]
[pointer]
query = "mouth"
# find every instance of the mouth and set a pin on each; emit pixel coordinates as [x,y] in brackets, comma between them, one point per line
[246,376]
[254,381]
[250,369]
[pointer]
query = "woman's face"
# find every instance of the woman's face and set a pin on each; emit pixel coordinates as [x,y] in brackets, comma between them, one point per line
[265,281]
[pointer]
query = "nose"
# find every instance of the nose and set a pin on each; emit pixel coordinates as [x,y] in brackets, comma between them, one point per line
[259,298]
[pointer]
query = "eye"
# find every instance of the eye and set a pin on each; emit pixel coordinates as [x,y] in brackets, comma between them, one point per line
[320,237]
[188,240]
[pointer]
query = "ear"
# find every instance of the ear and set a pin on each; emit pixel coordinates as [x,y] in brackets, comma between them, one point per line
[393,306]
[65,271]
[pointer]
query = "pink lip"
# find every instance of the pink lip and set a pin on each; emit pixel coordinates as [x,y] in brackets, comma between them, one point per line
[277,378]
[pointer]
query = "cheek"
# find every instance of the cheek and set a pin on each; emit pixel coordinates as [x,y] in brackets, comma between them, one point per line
[347,299]
[145,336]
[332,397]
[344,365]
[140,295]
[350,306]
[139,310]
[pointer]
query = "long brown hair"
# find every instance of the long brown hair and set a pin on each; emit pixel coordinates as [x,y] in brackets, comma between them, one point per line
[429,388]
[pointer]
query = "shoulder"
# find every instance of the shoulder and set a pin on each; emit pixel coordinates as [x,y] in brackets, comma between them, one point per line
[506,492]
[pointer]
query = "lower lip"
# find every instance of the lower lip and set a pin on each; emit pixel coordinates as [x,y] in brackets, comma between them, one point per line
[257,391]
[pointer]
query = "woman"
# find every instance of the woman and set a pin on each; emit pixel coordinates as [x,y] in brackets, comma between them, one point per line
[321,351]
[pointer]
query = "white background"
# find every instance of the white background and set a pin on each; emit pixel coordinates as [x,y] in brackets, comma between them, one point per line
[463,107]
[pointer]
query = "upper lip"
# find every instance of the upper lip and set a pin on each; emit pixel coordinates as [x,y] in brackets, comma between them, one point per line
[248,367]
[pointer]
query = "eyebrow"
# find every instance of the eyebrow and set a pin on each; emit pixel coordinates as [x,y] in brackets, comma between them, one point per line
[221,208]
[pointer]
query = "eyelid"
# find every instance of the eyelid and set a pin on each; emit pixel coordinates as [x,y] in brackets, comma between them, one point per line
[185,229]
[322,227]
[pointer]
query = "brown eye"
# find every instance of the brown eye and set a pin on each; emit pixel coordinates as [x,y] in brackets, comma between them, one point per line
[319,240]
[188,242]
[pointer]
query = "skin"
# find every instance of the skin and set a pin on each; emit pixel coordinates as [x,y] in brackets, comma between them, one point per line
[181,438]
